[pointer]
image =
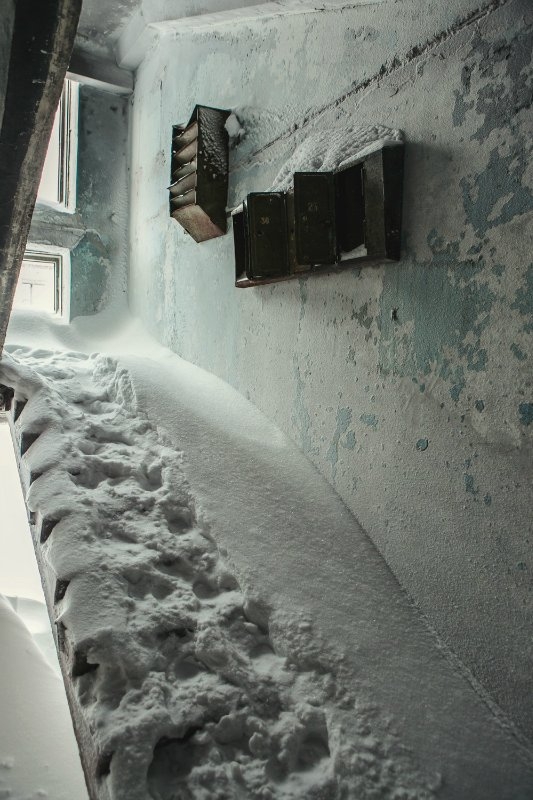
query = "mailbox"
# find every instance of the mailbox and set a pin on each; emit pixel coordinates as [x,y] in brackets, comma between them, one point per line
[199,174]
[331,220]
[315,218]
[261,238]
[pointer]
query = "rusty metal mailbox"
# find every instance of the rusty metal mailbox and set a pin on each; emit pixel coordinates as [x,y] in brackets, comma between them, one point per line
[268,234]
[315,218]
[261,237]
[331,220]
[199,174]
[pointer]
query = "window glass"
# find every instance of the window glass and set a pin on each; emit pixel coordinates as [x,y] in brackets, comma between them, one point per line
[58,179]
[44,280]
[49,188]
[38,285]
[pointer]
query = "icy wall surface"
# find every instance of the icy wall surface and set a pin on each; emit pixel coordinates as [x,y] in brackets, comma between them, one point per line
[408,385]
[329,149]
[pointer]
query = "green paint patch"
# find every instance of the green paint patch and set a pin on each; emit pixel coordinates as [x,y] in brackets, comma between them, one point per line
[300,417]
[343,420]
[470,487]
[501,180]
[455,391]
[461,106]
[445,303]
[370,420]
[509,89]
[523,301]
[362,316]
[364,319]
[446,299]
[351,357]
[460,109]
[90,269]
[476,357]
[525,411]
[350,441]
[518,352]
[344,417]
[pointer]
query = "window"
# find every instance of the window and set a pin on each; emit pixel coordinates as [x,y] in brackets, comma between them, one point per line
[44,281]
[58,181]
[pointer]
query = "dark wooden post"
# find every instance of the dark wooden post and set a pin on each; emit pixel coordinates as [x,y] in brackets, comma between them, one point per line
[43,37]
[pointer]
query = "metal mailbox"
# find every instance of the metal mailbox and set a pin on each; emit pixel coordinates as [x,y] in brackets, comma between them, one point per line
[199,174]
[268,235]
[315,218]
[330,221]
[261,238]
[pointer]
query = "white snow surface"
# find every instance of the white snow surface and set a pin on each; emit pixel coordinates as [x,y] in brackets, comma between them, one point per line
[20,582]
[19,575]
[188,684]
[34,615]
[233,633]
[332,149]
[191,691]
[34,721]
[235,129]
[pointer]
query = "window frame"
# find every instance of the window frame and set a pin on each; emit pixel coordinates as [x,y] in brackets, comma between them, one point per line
[68,151]
[60,256]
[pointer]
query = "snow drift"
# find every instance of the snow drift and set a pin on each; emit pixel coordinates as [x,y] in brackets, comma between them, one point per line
[226,628]
[183,685]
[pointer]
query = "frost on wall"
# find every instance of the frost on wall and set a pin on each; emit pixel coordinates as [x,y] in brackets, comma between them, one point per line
[181,686]
[335,148]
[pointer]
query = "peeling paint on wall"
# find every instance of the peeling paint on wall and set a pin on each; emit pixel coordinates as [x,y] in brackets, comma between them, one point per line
[363,368]
[343,420]
[526,413]
[524,300]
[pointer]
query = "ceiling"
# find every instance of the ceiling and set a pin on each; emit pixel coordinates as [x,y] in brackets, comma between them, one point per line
[101,23]
[119,31]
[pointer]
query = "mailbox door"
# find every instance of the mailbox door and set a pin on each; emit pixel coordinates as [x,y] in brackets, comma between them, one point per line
[350,208]
[315,218]
[268,234]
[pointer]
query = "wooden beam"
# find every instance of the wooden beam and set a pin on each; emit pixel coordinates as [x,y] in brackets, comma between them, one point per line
[43,37]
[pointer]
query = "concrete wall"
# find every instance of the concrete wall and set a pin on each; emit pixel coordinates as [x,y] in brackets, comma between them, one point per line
[408,386]
[96,233]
